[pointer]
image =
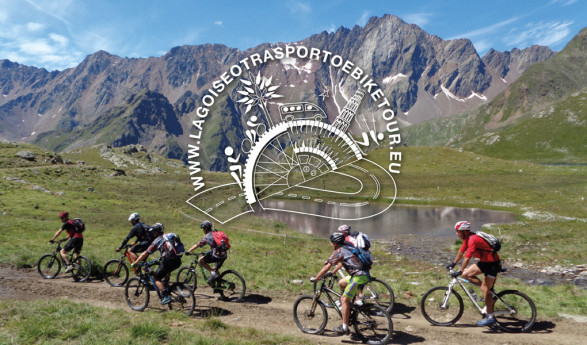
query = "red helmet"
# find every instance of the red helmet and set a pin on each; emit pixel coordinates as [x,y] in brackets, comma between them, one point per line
[63,214]
[463,225]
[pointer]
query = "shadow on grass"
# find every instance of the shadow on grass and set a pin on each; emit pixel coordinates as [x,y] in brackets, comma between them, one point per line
[209,312]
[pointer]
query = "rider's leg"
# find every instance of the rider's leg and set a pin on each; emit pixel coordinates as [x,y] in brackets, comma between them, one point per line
[204,264]
[471,274]
[63,254]
[133,256]
[486,289]
[342,283]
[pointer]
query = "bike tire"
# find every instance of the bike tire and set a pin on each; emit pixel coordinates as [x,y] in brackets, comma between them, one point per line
[380,293]
[116,272]
[187,275]
[182,299]
[231,285]
[431,305]
[49,266]
[372,324]
[514,311]
[82,268]
[310,316]
[136,293]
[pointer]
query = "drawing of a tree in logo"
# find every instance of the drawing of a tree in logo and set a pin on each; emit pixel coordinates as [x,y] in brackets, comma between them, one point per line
[257,92]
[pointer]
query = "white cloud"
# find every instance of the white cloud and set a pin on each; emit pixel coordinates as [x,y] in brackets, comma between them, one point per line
[34,26]
[219,23]
[542,33]
[363,19]
[419,19]
[298,7]
[59,39]
[36,47]
[489,30]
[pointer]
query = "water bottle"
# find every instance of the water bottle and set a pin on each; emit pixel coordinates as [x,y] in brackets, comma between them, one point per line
[338,305]
[474,294]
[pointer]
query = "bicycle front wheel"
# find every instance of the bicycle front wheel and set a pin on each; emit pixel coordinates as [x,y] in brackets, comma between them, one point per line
[380,293]
[514,311]
[82,267]
[187,275]
[49,266]
[310,315]
[136,293]
[231,285]
[441,309]
[372,324]
[182,299]
[115,272]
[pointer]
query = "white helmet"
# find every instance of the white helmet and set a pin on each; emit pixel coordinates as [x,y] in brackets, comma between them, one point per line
[134,216]
[463,225]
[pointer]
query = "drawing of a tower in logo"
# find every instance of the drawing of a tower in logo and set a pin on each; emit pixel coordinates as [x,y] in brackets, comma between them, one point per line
[343,121]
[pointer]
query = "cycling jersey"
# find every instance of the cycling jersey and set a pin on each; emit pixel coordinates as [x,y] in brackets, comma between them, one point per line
[140,231]
[479,248]
[350,262]
[163,246]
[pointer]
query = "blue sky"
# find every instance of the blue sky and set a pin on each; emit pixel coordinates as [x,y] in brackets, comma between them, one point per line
[58,34]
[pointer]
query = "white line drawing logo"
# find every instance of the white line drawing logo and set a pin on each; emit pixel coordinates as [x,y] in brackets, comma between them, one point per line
[294,152]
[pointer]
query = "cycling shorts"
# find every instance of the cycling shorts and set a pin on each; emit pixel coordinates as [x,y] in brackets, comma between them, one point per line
[140,247]
[209,258]
[353,283]
[490,269]
[75,243]
[167,266]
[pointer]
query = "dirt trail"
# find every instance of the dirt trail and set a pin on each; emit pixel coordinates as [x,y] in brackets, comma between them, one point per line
[274,314]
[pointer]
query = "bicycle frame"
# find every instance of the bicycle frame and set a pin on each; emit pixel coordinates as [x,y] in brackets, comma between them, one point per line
[328,292]
[461,282]
[144,274]
[57,252]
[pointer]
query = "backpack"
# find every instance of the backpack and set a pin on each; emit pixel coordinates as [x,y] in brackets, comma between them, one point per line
[364,256]
[176,244]
[145,234]
[493,241]
[221,240]
[363,241]
[78,225]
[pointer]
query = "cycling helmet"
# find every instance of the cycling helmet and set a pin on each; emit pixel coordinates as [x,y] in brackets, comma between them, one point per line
[344,229]
[63,214]
[463,225]
[157,229]
[134,216]
[206,225]
[337,238]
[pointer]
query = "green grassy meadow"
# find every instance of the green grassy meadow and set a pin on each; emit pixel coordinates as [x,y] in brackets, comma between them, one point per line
[548,199]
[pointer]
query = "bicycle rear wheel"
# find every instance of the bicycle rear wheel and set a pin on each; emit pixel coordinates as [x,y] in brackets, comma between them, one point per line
[115,272]
[231,286]
[380,293]
[439,313]
[49,266]
[82,267]
[372,324]
[182,298]
[136,293]
[514,311]
[310,316]
[187,275]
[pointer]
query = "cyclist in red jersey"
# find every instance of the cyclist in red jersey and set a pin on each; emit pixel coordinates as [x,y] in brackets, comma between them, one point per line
[76,240]
[489,264]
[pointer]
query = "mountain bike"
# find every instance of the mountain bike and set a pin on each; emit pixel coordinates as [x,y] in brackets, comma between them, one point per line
[443,306]
[116,271]
[137,291]
[376,290]
[230,284]
[371,323]
[49,265]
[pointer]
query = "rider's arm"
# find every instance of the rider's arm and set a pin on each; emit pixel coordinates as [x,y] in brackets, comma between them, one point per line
[465,264]
[130,235]
[323,271]
[56,234]
[202,243]
[337,268]
[458,258]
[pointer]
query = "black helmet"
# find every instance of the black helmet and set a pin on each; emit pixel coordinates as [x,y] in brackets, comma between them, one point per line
[206,225]
[337,238]
[157,229]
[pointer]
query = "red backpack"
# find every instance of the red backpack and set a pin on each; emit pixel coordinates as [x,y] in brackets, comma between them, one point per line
[221,240]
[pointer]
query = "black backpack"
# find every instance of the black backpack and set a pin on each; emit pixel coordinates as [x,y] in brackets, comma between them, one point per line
[78,225]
